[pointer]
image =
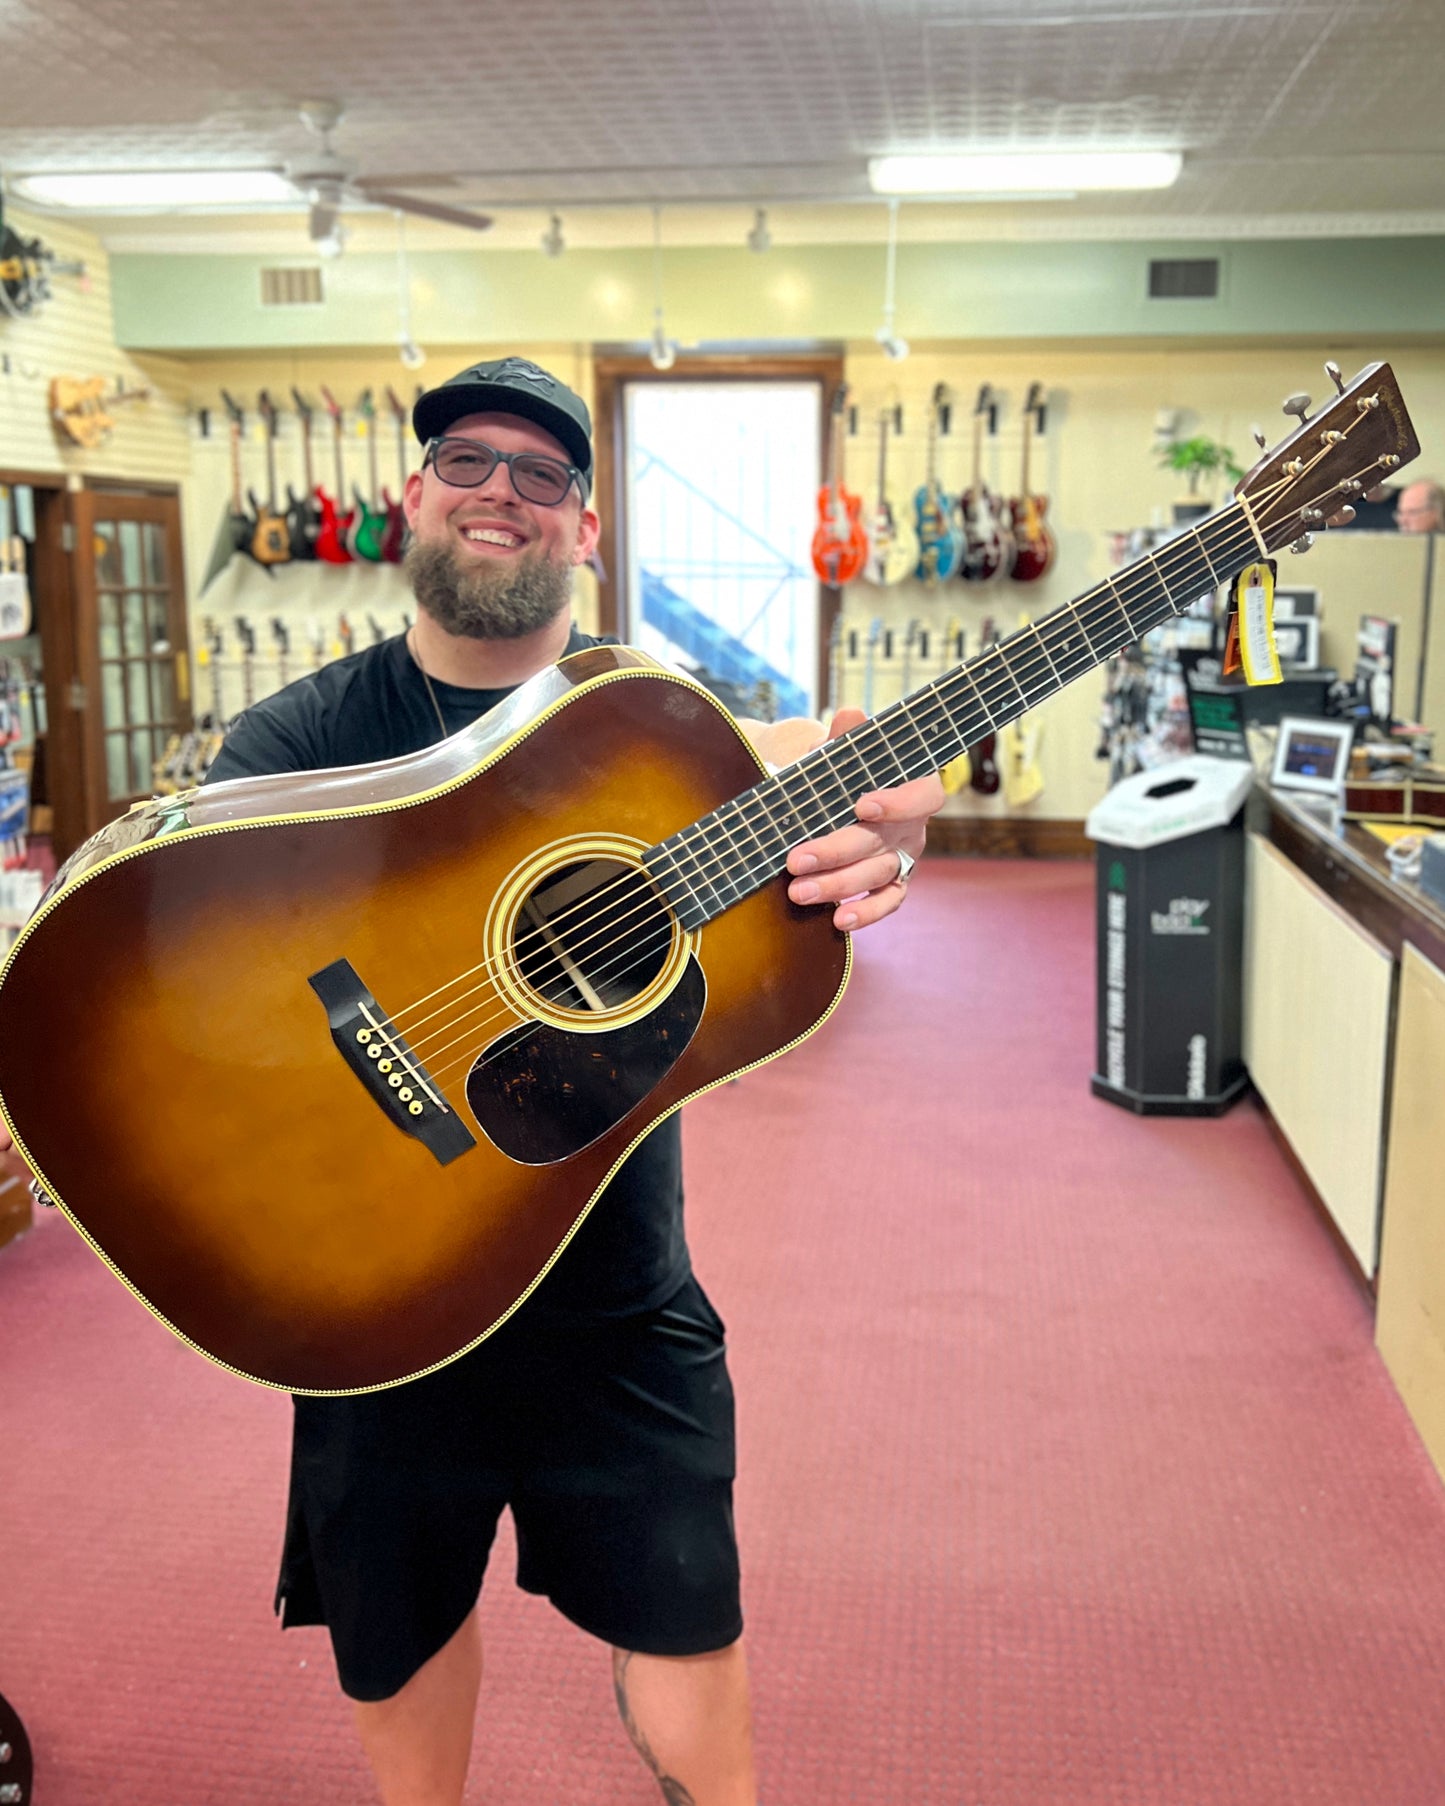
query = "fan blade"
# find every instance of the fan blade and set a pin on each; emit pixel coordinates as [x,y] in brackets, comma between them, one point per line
[404,203]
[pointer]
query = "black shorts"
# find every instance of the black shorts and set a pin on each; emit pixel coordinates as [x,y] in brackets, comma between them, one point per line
[612,1442]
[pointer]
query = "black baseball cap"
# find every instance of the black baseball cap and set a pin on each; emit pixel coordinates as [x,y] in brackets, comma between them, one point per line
[510,385]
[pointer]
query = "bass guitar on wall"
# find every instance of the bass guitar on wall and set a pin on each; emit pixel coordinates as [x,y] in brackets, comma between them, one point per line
[387,1032]
[1034,544]
[839,543]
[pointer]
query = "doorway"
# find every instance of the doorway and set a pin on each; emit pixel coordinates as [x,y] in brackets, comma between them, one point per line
[707,484]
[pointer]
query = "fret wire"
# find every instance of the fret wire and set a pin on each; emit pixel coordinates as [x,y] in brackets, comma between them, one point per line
[738,808]
[1109,585]
[999,653]
[1053,668]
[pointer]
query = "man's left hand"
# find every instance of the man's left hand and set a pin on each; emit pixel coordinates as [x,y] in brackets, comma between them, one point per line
[854,868]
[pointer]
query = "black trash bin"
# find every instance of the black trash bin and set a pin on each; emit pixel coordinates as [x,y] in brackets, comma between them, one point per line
[1170,889]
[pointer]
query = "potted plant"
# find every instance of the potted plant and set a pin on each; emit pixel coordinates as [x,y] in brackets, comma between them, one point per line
[1197,457]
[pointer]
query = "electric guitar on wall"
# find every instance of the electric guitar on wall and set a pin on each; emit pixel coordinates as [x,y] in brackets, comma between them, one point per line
[241,525]
[940,538]
[371,511]
[335,526]
[839,543]
[1034,544]
[986,544]
[270,542]
[983,753]
[393,537]
[388,1031]
[303,522]
[892,543]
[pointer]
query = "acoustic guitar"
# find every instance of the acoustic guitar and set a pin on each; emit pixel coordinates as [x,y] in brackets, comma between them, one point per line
[840,544]
[1034,544]
[330,1067]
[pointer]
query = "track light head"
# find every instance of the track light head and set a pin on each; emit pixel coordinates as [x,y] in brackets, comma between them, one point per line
[553,242]
[759,239]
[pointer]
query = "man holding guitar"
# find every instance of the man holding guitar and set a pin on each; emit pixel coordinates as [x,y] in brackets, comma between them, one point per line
[601,1411]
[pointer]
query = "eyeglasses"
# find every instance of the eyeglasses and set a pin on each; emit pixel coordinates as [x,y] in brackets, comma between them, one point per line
[467,463]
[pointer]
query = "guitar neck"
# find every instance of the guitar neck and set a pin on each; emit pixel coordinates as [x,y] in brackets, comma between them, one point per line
[727,855]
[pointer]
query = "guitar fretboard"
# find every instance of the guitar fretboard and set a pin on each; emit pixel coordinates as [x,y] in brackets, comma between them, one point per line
[708,866]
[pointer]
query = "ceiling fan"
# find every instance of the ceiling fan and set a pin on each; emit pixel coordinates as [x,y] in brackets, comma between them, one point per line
[328,181]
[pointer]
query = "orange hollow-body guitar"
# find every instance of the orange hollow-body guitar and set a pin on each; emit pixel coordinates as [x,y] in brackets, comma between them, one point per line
[330,1066]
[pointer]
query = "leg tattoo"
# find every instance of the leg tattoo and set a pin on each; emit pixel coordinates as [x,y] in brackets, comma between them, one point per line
[673,1792]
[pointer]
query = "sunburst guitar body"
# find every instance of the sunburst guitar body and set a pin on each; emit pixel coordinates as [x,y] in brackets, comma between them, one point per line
[379,1037]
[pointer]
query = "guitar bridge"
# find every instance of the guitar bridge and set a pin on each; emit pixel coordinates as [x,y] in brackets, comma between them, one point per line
[390,1072]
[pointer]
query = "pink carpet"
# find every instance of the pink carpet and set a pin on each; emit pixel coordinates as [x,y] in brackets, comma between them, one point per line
[1070,1474]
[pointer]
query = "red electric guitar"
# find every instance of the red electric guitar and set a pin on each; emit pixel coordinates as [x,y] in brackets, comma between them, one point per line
[335,526]
[393,534]
[1034,545]
[840,544]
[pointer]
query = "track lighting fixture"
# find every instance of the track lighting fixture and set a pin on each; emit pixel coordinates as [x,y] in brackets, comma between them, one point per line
[411,354]
[759,239]
[893,346]
[553,242]
[663,354]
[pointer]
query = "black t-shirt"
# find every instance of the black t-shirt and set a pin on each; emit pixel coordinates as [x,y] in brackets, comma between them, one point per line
[631,1253]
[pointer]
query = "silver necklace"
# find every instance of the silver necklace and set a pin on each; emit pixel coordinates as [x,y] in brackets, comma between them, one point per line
[416,660]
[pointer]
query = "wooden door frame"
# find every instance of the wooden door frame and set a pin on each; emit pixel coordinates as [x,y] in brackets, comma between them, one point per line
[609,451]
[118,500]
[55,618]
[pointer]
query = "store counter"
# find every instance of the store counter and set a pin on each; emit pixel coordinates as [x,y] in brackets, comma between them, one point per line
[1345,1039]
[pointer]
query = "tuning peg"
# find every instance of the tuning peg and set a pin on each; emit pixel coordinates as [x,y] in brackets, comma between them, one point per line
[1298,404]
[1332,370]
[1303,543]
[1260,439]
[1341,517]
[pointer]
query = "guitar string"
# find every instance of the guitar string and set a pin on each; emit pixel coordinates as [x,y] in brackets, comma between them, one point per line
[1083,663]
[642,949]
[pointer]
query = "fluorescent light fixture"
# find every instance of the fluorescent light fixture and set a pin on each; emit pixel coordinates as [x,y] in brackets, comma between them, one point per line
[103,190]
[1039,173]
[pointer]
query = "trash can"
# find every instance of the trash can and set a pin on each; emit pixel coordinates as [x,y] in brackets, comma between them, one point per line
[1170,888]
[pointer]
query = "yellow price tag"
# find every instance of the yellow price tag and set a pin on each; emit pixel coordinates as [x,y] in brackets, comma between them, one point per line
[1254,599]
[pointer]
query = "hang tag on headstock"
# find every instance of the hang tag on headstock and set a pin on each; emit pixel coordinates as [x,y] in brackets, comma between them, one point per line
[1251,626]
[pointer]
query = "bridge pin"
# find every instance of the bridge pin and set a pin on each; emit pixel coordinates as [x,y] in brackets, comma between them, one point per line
[415,1109]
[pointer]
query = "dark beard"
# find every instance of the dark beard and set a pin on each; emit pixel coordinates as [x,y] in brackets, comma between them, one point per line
[482,602]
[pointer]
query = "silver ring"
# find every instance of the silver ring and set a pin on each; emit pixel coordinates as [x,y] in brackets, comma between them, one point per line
[906,863]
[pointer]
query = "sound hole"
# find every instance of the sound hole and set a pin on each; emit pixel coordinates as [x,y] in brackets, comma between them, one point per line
[592,936]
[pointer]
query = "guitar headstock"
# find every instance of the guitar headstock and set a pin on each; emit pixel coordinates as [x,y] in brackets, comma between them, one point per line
[1361,436]
[396,404]
[234,409]
[333,406]
[365,406]
[303,408]
[267,410]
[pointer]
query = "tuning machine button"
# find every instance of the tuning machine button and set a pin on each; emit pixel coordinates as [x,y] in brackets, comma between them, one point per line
[1259,438]
[1298,405]
[1303,543]
[1332,370]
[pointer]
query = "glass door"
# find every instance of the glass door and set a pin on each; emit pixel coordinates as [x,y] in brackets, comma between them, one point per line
[134,659]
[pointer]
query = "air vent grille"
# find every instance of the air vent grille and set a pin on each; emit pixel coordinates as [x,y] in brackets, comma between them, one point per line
[292,287]
[1183,278]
